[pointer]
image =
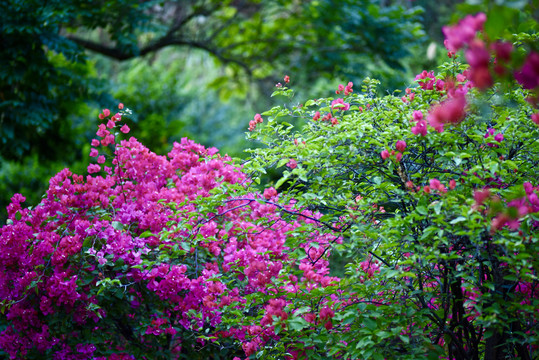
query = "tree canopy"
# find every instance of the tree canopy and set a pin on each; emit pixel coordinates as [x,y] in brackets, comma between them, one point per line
[43,48]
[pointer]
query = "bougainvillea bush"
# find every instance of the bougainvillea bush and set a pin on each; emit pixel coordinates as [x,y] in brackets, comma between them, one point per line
[150,257]
[430,198]
[435,194]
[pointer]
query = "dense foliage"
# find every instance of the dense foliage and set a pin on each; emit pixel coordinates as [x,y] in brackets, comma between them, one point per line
[430,197]
[58,59]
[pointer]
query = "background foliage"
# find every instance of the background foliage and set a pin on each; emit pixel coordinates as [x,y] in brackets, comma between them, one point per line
[238,45]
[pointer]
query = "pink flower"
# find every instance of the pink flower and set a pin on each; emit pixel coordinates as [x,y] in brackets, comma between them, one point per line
[498,137]
[440,85]
[286,79]
[339,104]
[270,193]
[480,196]
[102,131]
[528,76]
[437,185]
[448,112]
[125,129]
[398,157]
[93,168]
[326,313]
[316,116]
[452,184]
[478,57]
[461,34]
[120,106]
[535,118]
[384,154]
[348,89]
[94,153]
[95,142]
[502,50]
[292,164]
[400,145]
[420,128]
[252,125]
[110,124]
[101,159]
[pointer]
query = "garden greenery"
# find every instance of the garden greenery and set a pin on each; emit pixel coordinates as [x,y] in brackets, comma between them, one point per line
[429,196]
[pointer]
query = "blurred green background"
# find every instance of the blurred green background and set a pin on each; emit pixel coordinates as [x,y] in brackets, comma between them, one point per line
[193,68]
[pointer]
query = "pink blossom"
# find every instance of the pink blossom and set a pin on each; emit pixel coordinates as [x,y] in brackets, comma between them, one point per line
[292,164]
[461,34]
[125,129]
[93,168]
[339,104]
[270,193]
[480,196]
[528,75]
[400,145]
[450,111]
[384,154]
[420,128]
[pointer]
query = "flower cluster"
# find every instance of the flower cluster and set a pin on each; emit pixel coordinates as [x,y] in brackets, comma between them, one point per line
[137,254]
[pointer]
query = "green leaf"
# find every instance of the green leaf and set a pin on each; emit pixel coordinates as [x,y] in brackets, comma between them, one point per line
[117,225]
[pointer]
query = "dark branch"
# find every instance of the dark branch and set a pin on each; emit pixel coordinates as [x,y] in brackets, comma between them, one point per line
[163,42]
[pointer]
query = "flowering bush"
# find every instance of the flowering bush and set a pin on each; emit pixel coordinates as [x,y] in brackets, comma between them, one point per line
[151,257]
[430,197]
[435,195]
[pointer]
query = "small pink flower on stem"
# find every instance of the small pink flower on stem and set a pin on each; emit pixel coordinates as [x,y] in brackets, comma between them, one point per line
[384,154]
[400,145]
[93,168]
[120,106]
[292,164]
[270,193]
[286,79]
[125,129]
